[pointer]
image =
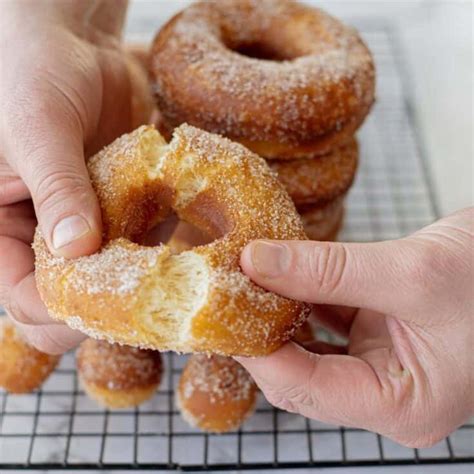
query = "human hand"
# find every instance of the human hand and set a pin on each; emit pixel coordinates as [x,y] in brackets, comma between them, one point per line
[407,370]
[66,89]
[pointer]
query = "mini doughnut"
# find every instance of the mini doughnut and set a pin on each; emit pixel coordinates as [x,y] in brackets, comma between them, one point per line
[198,300]
[22,367]
[284,79]
[215,394]
[118,376]
[323,223]
[317,181]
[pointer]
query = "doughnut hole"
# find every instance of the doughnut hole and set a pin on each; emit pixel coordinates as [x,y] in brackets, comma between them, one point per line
[260,51]
[177,234]
[181,283]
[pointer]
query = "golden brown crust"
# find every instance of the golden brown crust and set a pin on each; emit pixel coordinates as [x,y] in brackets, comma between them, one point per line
[118,367]
[215,394]
[219,187]
[323,222]
[129,398]
[317,181]
[312,96]
[22,367]
[118,376]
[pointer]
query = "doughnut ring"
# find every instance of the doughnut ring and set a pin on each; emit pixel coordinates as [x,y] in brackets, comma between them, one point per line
[317,181]
[118,376]
[284,79]
[23,368]
[195,301]
[215,394]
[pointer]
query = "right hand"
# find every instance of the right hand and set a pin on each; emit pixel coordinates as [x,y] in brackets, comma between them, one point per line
[407,313]
[65,91]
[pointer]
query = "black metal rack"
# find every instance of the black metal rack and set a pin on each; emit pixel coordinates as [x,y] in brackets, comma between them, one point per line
[58,427]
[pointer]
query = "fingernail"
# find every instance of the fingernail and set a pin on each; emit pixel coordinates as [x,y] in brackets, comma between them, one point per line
[68,230]
[269,259]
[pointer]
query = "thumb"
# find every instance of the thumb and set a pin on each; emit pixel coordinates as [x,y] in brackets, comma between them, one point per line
[49,157]
[372,275]
[337,389]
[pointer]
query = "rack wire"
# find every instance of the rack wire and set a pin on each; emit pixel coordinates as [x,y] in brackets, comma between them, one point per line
[58,427]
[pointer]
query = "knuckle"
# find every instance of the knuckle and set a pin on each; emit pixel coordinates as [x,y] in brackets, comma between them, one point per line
[42,338]
[279,400]
[16,313]
[289,398]
[327,266]
[55,187]
[426,268]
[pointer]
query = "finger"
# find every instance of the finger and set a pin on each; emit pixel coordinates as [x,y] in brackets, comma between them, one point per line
[12,188]
[27,302]
[116,101]
[18,293]
[45,144]
[377,275]
[336,389]
[53,338]
[18,221]
[140,52]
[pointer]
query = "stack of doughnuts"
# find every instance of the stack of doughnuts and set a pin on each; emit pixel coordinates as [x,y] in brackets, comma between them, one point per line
[288,81]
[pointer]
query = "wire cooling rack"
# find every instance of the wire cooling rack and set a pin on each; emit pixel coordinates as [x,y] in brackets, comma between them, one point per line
[58,427]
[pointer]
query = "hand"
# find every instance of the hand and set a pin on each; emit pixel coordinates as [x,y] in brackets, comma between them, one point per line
[408,369]
[66,90]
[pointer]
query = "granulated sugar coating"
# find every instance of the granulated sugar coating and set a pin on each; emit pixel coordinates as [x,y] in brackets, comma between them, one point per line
[263,72]
[118,376]
[195,301]
[22,367]
[117,367]
[318,181]
[220,377]
[215,393]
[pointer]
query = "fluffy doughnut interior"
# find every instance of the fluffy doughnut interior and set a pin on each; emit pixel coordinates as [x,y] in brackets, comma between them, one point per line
[181,283]
[178,293]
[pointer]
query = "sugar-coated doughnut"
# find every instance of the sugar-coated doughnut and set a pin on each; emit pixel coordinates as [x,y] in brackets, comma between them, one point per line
[22,367]
[198,300]
[118,376]
[215,393]
[284,79]
[317,181]
[323,222]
